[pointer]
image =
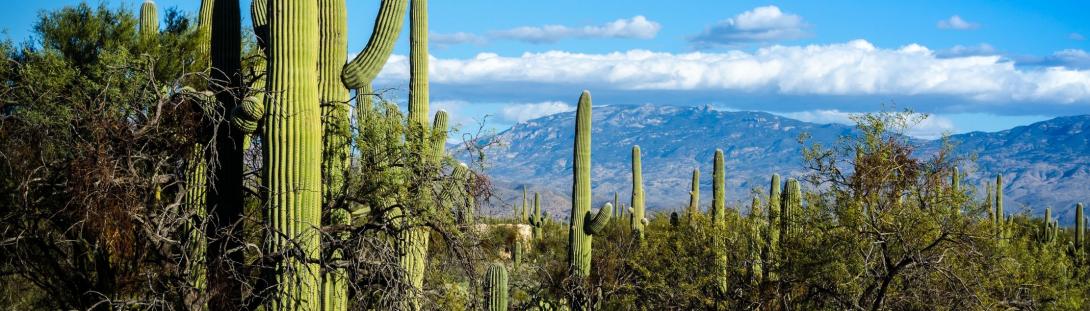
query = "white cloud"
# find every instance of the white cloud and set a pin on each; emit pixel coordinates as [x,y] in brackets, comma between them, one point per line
[968,50]
[760,24]
[956,22]
[930,128]
[1069,58]
[638,27]
[443,39]
[523,112]
[852,68]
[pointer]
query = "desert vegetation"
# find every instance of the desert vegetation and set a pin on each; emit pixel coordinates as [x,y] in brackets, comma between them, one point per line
[197,163]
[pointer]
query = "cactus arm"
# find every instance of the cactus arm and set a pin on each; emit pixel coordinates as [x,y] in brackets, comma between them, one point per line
[439,133]
[367,64]
[418,63]
[599,221]
[149,20]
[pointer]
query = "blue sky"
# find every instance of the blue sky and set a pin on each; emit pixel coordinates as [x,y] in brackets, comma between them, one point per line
[973,65]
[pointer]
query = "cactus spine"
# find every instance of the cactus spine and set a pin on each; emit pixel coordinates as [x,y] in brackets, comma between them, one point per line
[583,225]
[495,287]
[694,195]
[637,193]
[149,20]
[292,153]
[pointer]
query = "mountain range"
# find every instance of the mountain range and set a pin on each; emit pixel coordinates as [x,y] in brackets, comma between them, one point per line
[1045,164]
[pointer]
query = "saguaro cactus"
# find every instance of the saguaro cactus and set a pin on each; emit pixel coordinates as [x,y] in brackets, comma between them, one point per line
[292,153]
[694,195]
[719,190]
[536,221]
[791,210]
[637,193]
[523,216]
[1080,227]
[495,287]
[583,225]
[149,20]
[719,219]
[772,236]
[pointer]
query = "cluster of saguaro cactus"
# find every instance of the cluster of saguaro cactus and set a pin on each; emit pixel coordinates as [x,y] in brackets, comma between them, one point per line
[1049,230]
[638,219]
[495,287]
[583,224]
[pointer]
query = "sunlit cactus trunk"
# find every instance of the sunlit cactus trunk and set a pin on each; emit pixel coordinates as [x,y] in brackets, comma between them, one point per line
[791,211]
[495,288]
[336,137]
[637,194]
[292,155]
[583,224]
[756,243]
[719,219]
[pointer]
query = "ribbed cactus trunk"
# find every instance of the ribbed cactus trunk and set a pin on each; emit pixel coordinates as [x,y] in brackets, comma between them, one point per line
[149,20]
[336,138]
[1000,216]
[637,194]
[292,154]
[756,245]
[536,221]
[772,228]
[495,288]
[791,211]
[413,242]
[694,195]
[523,216]
[719,219]
[583,226]
[225,203]
[1080,227]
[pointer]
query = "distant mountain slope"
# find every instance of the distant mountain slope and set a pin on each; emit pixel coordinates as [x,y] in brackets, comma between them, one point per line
[1047,163]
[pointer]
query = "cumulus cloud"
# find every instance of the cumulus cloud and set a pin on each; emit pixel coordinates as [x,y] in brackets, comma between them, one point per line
[523,112]
[930,128]
[1069,58]
[852,68]
[638,27]
[968,50]
[444,39]
[956,22]
[762,24]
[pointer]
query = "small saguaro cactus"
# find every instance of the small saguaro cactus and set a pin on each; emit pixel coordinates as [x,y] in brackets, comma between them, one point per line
[536,220]
[149,20]
[522,210]
[955,180]
[516,253]
[637,193]
[694,195]
[495,287]
[1047,234]
[791,210]
[999,214]
[583,224]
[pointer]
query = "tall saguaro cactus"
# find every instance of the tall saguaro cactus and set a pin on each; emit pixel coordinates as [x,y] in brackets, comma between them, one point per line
[791,210]
[1080,227]
[583,225]
[718,188]
[772,234]
[694,195]
[637,193]
[292,153]
[719,218]
[333,100]
[495,287]
[225,203]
